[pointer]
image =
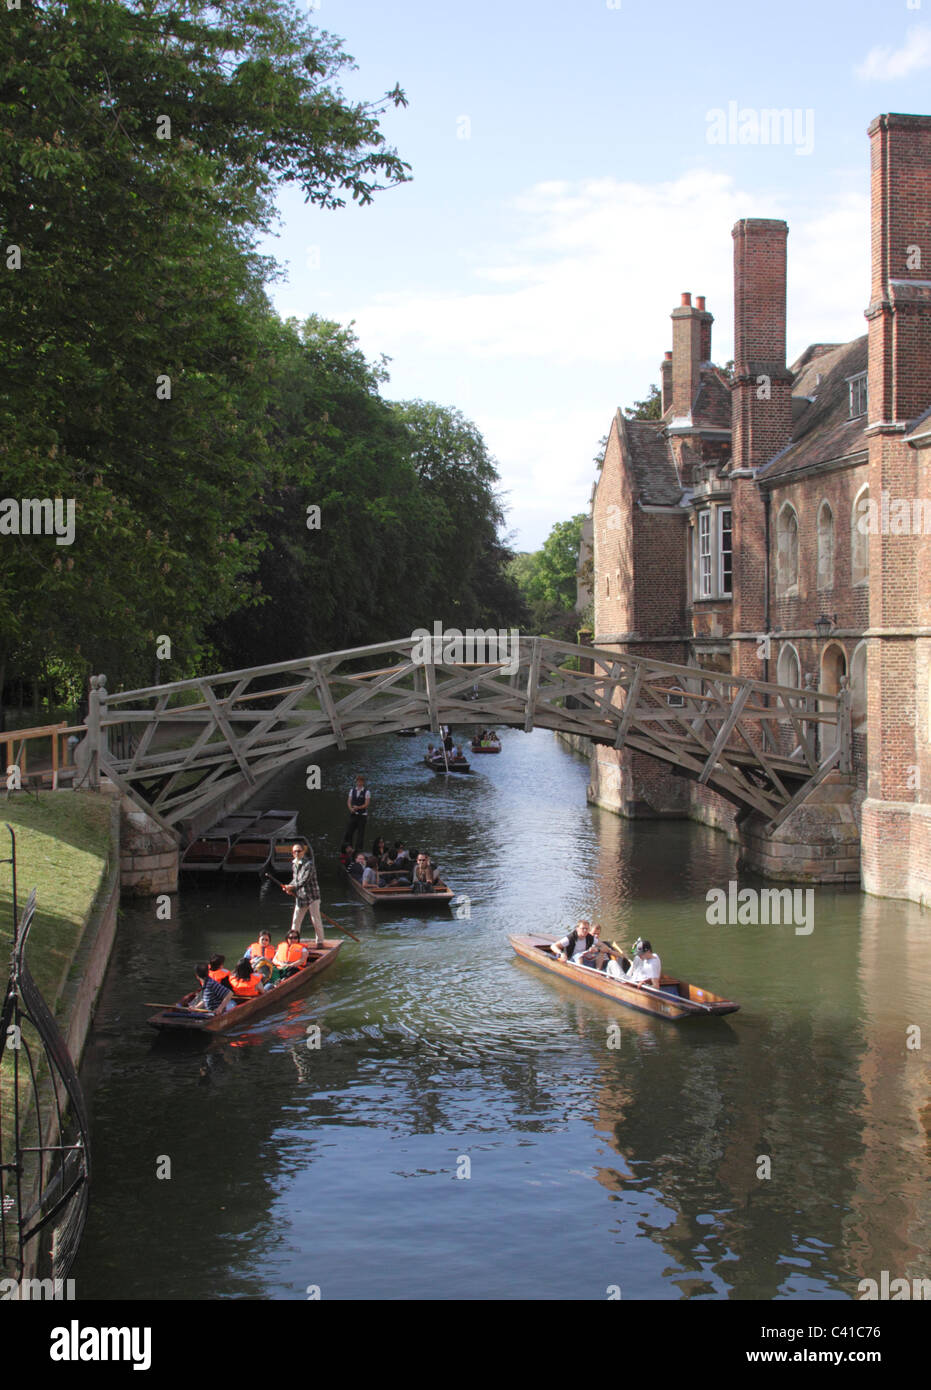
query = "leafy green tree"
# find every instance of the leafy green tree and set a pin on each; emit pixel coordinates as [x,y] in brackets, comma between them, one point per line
[649,409]
[548,579]
[143,144]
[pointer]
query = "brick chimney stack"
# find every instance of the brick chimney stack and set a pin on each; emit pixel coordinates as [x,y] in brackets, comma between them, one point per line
[691,333]
[666,381]
[900,297]
[761,414]
[762,399]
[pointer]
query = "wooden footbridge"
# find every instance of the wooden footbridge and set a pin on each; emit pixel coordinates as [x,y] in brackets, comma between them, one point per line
[177,749]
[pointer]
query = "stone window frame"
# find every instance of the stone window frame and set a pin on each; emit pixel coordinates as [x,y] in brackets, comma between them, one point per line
[859,541]
[786,584]
[784,649]
[825,573]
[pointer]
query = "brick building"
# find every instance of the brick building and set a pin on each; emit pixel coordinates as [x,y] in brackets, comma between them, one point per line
[776,496]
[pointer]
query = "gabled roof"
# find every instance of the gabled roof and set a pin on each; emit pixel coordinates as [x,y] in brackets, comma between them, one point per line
[822,429]
[655,480]
[712,404]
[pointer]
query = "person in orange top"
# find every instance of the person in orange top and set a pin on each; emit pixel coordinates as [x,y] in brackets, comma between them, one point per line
[291,952]
[243,983]
[261,949]
[215,969]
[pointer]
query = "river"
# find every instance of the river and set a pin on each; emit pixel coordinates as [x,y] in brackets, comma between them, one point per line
[470,1127]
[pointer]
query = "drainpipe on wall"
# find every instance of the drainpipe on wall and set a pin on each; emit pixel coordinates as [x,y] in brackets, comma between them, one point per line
[766,613]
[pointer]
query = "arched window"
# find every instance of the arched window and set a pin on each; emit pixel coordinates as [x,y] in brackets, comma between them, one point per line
[787,551]
[825,547]
[788,670]
[833,667]
[860,521]
[858,686]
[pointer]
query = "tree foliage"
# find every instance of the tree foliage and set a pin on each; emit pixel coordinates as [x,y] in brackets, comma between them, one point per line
[548,579]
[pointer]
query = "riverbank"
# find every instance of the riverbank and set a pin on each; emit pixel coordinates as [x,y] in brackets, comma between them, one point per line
[66,845]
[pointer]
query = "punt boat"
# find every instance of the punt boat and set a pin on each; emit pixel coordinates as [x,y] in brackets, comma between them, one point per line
[177,1018]
[451,765]
[390,897]
[486,747]
[674,999]
[207,854]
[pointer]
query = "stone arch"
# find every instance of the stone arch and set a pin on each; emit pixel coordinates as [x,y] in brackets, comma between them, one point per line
[788,666]
[825,546]
[833,671]
[787,550]
[860,537]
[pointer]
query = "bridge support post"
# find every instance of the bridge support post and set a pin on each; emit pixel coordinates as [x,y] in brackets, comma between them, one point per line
[819,842]
[149,856]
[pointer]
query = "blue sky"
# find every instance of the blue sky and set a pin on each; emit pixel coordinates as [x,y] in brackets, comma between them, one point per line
[567,187]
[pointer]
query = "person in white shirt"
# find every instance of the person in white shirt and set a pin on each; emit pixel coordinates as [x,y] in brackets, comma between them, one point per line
[645,969]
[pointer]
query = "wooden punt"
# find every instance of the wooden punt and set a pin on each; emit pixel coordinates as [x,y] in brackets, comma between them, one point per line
[487,748]
[453,765]
[274,823]
[249,854]
[207,853]
[674,999]
[178,1018]
[390,897]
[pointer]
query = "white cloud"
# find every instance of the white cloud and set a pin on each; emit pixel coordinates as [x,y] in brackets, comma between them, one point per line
[885,63]
[565,317]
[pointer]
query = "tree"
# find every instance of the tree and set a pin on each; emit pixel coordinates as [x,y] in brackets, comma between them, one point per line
[548,579]
[649,409]
[143,143]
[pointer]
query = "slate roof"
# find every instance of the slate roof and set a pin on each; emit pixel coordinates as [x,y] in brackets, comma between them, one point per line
[712,404]
[822,428]
[650,456]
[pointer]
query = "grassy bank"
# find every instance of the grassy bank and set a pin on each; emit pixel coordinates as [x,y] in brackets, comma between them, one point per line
[62,850]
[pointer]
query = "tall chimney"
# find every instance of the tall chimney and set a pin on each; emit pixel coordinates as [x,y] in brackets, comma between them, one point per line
[666,381]
[686,356]
[762,392]
[707,321]
[761,414]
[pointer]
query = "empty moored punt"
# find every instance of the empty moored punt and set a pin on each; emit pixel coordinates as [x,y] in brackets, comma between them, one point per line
[206,854]
[674,999]
[391,897]
[249,854]
[245,1010]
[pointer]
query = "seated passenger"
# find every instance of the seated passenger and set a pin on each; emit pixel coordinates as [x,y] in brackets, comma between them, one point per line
[213,996]
[574,945]
[645,969]
[370,877]
[346,854]
[216,968]
[243,983]
[422,877]
[262,949]
[356,869]
[291,953]
[597,954]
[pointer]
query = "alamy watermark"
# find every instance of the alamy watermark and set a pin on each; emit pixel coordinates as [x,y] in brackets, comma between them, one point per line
[753,907]
[481,646]
[894,516]
[38,516]
[750,125]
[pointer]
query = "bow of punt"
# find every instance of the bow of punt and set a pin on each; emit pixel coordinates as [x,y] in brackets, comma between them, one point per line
[674,999]
[179,1018]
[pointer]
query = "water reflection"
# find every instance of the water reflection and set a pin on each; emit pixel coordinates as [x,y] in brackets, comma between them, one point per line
[590,1165]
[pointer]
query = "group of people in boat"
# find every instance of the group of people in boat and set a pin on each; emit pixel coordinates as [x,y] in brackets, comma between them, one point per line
[261,968]
[486,739]
[583,946]
[454,753]
[389,868]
